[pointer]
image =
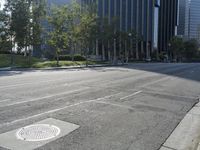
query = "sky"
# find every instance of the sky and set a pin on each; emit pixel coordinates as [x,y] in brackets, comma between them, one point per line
[2,3]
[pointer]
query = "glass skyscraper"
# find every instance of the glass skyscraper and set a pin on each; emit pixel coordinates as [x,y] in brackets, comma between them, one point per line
[194,20]
[183,20]
[137,15]
[168,21]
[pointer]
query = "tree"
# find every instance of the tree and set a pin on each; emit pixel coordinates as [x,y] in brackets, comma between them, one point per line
[5,44]
[88,23]
[24,26]
[108,33]
[176,47]
[191,49]
[58,37]
[34,28]
[73,19]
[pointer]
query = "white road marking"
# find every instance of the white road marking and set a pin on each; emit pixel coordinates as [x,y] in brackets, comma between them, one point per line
[5,100]
[56,110]
[45,97]
[168,94]
[28,83]
[156,81]
[116,105]
[138,92]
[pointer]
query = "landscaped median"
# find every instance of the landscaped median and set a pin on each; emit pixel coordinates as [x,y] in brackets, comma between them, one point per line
[23,62]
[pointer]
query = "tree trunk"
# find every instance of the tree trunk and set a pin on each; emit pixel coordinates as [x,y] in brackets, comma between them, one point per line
[57,59]
[12,56]
[29,60]
[73,52]
[126,52]
[97,49]
[103,52]
[109,55]
[87,57]
[11,52]
[115,53]
[137,52]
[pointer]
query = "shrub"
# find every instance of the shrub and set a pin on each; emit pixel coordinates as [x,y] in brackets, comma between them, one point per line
[4,52]
[65,57]
[79,58]
[69,58]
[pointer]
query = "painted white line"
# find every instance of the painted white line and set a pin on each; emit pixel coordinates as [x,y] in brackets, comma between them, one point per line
[28,83]
[116,105]
[6,100]
[138,92]
[45,97]
[56,110]
[168,94]
[153,82]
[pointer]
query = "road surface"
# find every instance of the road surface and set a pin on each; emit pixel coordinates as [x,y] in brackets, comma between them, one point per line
[135,107]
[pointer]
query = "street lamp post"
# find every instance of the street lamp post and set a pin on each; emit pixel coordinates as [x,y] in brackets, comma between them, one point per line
[115,52]
[131,42]
[169,52]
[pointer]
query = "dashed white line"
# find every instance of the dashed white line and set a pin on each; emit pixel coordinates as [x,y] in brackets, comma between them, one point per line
[45,97]
[116,105]
[6,100]
[138,92]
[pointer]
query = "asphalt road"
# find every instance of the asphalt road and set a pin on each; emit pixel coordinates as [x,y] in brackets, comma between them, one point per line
[134,107]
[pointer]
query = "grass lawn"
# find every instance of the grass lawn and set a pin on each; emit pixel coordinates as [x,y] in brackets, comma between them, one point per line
[23,62]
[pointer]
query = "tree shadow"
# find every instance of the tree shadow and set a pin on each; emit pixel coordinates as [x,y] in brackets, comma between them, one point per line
[190,71]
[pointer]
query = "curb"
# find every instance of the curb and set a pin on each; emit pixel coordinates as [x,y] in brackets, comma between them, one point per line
[59,68]
[186,135]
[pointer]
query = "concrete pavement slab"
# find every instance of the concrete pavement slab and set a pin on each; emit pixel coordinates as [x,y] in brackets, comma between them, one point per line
[34,136]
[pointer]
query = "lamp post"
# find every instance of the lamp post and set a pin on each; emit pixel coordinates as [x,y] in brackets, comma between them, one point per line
[131,46]
[169,51]
[115,52]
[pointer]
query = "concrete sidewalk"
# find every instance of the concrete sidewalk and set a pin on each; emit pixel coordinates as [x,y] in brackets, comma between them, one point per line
[186,136]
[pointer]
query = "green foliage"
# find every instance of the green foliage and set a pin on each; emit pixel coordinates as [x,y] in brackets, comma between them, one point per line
[58,37]
[69,57]
[65,57]
[20,61]
[23,22]
[87,28]
[79,58]
[191,49]
[176,47]
[5,44]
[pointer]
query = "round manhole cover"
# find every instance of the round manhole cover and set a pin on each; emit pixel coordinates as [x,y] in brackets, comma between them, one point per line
[38,132]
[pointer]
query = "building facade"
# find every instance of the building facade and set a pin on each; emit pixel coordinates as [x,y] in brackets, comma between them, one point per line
[133,15]
[154,21]
[183,21]
[168,21]
[194,20]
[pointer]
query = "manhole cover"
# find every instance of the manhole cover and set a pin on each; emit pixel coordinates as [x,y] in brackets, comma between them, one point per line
[38,132]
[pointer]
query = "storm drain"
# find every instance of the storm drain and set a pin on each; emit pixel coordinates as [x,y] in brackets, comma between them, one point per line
[38,132]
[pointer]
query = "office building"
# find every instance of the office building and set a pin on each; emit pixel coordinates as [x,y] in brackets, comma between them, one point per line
[194,20]
[183,18]
[168,21]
